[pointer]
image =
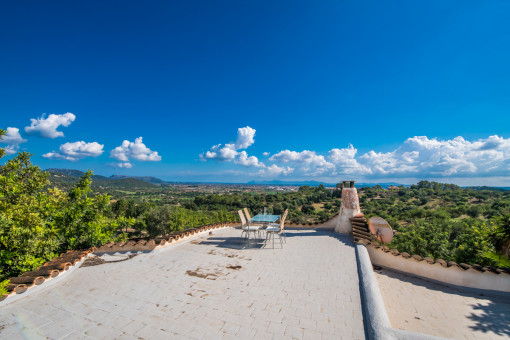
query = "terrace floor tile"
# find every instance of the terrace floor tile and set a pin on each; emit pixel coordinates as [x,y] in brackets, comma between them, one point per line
[212,287]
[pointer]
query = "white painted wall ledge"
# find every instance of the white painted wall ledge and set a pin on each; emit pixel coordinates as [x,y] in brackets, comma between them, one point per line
[453,275]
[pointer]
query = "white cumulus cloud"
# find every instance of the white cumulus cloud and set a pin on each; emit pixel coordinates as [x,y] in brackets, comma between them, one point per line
[47,127]
[417,157]
[221,153]
[125,165]
[344,160]
[456,157]
[13,139]
[245,137]
[275,170]
[230,151]
[249,161]
[76,151]
[308,161]
[134,150]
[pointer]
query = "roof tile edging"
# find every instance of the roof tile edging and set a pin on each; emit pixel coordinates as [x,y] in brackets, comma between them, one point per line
[67,260]
[443,263]
[362,235]
[49,272]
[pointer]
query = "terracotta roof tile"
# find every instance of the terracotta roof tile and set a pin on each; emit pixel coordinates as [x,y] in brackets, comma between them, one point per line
[46,273]
[417,257]
[464,266]
[494,269]
[16,288]
[429,260]
[441,262]
[360,228]
[27,280]
[478,267]
[60,266]
[362,232]
[359,223]
[394,251]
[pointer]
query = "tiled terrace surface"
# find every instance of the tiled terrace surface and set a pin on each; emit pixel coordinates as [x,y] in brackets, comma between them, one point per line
[421,306]
[209,288]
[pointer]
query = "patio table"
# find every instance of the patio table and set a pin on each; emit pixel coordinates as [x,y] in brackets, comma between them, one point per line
[264,218]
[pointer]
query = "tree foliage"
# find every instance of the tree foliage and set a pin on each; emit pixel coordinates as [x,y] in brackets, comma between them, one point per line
[38,223]
[164,220]
[462,242]
[445,221]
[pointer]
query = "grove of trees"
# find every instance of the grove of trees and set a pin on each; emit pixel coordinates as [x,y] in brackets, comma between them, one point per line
[445,221]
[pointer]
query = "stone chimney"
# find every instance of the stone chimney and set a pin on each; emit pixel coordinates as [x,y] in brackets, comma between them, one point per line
[349,207]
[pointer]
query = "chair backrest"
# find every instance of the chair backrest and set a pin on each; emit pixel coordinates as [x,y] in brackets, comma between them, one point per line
[247,213]
[241,216]
[282,220]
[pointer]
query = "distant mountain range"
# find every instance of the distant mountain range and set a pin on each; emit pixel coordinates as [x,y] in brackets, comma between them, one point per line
[147,179]
[69,176]
[142,181]
[489,188]
[315,183]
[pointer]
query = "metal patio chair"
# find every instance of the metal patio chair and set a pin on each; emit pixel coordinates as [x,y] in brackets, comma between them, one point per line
[246,227]
[248,217]
[277,229]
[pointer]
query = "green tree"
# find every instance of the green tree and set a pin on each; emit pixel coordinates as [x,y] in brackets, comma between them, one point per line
[446,239]
[80,220]
[36,223]
[500,237]
[157,221]
[120,207]
[25,240]
[307,209]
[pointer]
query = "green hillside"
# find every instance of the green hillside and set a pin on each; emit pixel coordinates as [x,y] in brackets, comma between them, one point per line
[64,178]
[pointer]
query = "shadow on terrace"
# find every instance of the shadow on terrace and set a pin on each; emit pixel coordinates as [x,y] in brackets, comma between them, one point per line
[255,242]
[491,316]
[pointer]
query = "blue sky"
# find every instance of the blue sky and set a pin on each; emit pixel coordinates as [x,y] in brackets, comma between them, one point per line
[328,90]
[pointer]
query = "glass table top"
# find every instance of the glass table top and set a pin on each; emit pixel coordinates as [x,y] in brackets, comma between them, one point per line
[264,218]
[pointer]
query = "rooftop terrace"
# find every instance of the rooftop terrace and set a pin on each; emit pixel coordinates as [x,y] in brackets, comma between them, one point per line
[213,287]
[206,288]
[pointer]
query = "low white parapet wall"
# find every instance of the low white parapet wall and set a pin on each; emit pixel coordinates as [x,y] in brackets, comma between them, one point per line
[436,271]
[329,224]
[376,318]
[70,261]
